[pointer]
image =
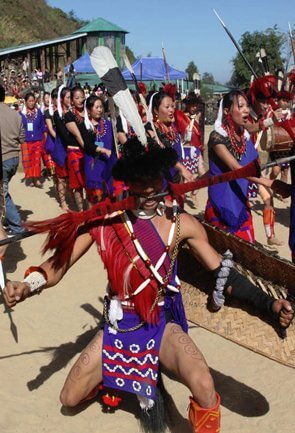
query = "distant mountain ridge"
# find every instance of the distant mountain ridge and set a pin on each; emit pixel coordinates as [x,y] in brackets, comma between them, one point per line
[25,21]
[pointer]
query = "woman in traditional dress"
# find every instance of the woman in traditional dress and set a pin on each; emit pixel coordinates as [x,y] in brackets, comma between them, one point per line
[229,148]
[60,134]
[162,106]
[99,149]
[34,126]
[75,145]
[48,162]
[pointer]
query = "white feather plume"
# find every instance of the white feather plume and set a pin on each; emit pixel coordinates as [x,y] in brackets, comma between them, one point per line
[102,61]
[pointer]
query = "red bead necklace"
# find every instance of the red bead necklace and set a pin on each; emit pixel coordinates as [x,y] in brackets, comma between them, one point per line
[78,115]
[169,131]
[237,140]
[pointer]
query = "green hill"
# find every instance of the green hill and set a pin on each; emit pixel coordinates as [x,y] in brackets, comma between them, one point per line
[25,21]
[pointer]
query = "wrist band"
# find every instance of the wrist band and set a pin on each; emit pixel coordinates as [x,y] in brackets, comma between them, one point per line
[36,278]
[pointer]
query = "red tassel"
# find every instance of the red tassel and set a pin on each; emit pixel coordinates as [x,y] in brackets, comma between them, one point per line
[62,230]
[142,88]
[111,401]
[119,248]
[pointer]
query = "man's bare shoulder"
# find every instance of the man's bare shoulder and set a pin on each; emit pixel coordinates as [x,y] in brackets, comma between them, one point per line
[189,225]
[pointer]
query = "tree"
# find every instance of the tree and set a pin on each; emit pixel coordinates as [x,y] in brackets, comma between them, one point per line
[191,70]
[272,40]
[208,78]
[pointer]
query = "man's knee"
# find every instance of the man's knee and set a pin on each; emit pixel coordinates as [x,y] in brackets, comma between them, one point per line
[203,388]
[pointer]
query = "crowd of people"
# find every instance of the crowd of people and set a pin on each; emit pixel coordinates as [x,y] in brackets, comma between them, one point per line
[91,158]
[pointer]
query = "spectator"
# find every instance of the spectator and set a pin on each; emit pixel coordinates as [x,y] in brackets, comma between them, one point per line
[25,66]
[12,136]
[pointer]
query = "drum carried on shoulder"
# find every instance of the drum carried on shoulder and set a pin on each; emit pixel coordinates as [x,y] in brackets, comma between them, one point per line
[276,139]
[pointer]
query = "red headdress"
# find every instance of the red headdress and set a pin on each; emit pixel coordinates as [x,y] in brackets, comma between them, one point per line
[170,89]
[263,87]
[290,84]
[285,95]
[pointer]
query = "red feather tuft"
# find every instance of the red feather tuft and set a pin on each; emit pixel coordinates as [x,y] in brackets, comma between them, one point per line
[142,88]
[115,246]
[170,89]
[62,230]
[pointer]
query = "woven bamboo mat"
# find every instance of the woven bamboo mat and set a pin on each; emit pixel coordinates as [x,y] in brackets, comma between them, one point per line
[235,321]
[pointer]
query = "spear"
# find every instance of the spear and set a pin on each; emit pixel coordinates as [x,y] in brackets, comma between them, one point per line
[149,114]
[166,64]
[236,45]
[291,40]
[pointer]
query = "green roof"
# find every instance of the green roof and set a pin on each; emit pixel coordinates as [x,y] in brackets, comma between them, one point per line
[100,25]
[216,88]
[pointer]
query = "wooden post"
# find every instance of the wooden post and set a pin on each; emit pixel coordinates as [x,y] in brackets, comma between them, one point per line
[51,63]
[42,59]
[30,63]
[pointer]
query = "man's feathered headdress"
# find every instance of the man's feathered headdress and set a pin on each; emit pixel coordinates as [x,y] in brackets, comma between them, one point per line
[263,88]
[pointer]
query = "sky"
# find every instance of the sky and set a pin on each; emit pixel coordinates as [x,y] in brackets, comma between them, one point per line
[188,29]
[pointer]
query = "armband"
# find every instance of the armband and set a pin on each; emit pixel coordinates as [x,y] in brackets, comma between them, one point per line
[222,274]
[36,278]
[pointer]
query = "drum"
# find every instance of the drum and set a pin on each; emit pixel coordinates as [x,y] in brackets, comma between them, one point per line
[276,139]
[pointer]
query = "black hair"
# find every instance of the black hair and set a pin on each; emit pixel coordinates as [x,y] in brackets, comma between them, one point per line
[76,89]
[158,98]
[54,93]
[139,164]
[28,95]
[230,97]
[2,94]
[192,99]
[64,91]
[90,101]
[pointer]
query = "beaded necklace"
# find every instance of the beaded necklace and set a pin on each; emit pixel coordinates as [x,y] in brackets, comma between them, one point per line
[102,130]
[169,131]
[79,117]
[31,115]
[153,269]
[238,141]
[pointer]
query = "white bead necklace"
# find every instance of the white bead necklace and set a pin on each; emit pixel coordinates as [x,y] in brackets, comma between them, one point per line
[144,256]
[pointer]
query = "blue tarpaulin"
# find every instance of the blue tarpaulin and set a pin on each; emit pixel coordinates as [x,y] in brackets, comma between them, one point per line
[153,69]
[145,68]
[82,65]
